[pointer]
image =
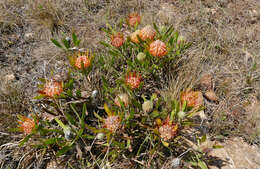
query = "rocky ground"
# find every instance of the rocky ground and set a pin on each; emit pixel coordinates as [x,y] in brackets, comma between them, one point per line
[225,36]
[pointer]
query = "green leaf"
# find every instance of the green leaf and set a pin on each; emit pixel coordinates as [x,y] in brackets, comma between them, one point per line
[66,43]
[97,116]
[203,139]
[77,43]
[155,114]
[156,28]
[202,165]
[217,146]
[184,105]
[172,115]
[39,97]
[72,106]
[55,42]
[25,139]
[42,80]
[51,141]
[166,144]
[44,131]
[69,117]
[61,124]
[78,93]
[74,39]
[105,44]
[83,115]
[63,150]
[87,136]
[14,130]
[119,144]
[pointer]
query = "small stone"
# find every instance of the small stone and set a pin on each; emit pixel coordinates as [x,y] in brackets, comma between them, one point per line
[94,94]
[52,165]
[85,94]
[211,95]
[28,35]
[176,162]
[9,77]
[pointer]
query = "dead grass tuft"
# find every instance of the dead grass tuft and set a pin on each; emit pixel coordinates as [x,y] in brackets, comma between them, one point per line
[46,15]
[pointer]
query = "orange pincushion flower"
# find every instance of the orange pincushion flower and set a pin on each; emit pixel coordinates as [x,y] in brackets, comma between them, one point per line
[83,58]
[158,48]
[133,80]
[117,39]
[168,129]
[26,125]
[52,88]
[133,19]
[133,36]
[193,98]
[147,33]
[112,123]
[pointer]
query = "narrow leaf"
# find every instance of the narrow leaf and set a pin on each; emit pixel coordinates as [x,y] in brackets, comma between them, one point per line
[55,42]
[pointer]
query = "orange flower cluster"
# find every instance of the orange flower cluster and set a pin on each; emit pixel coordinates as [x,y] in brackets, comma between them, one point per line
[133,36]
[133,80]
[168,129]
[52,88]
[26,125]
[133,19]
[112,123]
[193,98]
[117,39]
[83,59]
[158,49]
[147,33]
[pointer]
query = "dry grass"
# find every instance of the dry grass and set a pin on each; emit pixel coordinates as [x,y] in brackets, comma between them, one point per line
[225,38]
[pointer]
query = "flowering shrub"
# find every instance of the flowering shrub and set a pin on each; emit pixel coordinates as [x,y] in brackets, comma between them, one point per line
[132,66]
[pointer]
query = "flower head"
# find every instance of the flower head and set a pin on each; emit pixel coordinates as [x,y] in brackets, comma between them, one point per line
[133,80]
[133,36]
[51,88]
[117,39]
[112,123]
[133,19]
[147,33]
[168,129]
[26,125]
[83,60]
[158,48]
[193,98]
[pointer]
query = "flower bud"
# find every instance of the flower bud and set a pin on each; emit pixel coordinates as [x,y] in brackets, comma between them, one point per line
[181,114]
[147,106]
[180,40]
[123,97]
[141,56]
[67,132]
[100,136]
